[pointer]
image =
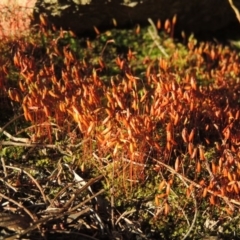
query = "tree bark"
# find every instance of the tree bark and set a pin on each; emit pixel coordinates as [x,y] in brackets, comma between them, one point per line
[82,15]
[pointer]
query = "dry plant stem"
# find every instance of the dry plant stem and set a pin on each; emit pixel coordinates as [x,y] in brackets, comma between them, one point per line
[209,170]
[11,121]
[129,222]
[228,201]
[109,41]
[32,145]
[57,216]
[68,203]
[194,200]
[34,218]
[23,140]
[235,10]
[37,125]
[37,224]
[181,209]
[4,166]
[89,183]
[33,179]
[60,193]
[27,144]
[87,200]
[155,37]
[8,185]
[124,214]
[112,207]
[81,235]
[196,210]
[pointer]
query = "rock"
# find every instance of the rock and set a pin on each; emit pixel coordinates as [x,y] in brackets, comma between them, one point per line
[198,16]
